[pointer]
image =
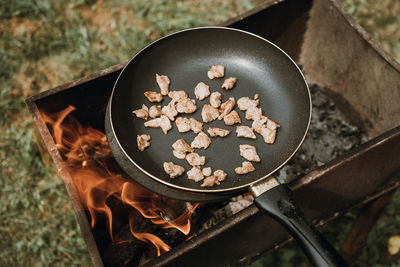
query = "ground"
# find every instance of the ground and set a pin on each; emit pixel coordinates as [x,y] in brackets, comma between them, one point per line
[46,43]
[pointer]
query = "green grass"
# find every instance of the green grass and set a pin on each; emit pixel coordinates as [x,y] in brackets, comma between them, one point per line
[44,43]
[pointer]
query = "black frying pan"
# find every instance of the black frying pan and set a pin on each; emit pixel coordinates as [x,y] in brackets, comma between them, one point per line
[262,68]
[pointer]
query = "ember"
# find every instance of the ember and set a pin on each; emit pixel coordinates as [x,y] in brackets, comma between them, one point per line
[85,151]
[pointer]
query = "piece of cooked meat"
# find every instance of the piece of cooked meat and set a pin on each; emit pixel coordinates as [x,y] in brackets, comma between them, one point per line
[195,174]
[226,107]
[256,96]
[246,168]
[216,179]
[249,152]
[229,83]
[170,110]
[260,126]
[268,135]
[173,170]
[143,141]
[195,159]
[201,141]
[253,113]
[183,124]
[215,131]
[154,123]
[178,154]
[215,99]
[232,118]
[209,113]
[220,175]
[209,181]
[185,105]
[206,171]
[142,113]
[195,125]
[181,146]
[245,131]
[177,94]
[163,122]
[153,96]
[155,111]
[202,91]
[244,103]
[163,82]
[217,71]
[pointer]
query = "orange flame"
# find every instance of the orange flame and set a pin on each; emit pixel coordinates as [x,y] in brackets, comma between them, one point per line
[85,151]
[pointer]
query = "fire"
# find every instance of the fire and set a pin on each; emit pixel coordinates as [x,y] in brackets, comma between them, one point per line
[87,155]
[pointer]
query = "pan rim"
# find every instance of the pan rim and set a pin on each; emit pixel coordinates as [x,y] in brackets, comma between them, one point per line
[230,189]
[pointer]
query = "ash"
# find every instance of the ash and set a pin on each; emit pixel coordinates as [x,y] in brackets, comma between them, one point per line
[330,135]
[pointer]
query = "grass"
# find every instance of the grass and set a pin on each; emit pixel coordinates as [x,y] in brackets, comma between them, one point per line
[50,42]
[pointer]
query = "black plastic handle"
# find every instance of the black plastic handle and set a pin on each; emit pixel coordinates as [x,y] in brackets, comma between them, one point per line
[278,202]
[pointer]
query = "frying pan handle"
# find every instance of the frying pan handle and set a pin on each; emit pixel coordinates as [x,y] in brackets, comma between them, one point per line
[278,202]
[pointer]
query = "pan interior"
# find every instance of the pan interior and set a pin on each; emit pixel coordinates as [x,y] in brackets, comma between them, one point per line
[260,67]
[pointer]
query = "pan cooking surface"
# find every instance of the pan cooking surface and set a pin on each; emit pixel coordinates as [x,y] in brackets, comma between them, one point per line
[185,58]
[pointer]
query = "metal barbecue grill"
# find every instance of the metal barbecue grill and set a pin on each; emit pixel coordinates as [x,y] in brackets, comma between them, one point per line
[333,52]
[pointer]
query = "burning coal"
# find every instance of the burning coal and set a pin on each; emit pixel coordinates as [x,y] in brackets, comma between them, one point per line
[86,154]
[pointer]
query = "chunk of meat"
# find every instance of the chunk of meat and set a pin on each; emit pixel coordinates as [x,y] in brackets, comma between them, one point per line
[244,103]
[245,131]
[229,83]
[226,107]
[173,170]
[249,152]
[181,146]
[246,168]
[170,110]
[155,111]
[210,181]
[143,141]
[163,122]
[142,113]
[253,113]
[206,171]
[220,175]
[215,99]
[215,131]
[232,118]
[268,135]
[183,124]
[256,96]
[178,154]
[202,91]
[163,82]
[260,126]
[195,159]
[201,141]
[217,71]
[216,179]
[177,94]
[185,105]
[195,125]
[153,96]
[209,113]
[195,174]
